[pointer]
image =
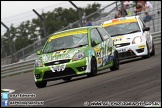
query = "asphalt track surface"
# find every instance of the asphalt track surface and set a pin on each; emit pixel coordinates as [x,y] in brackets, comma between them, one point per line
[136,80]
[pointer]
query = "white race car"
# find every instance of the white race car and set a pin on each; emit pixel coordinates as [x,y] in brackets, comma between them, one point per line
[131,37]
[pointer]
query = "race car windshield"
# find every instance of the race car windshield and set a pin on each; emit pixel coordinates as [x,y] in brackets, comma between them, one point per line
[66,42]
[121,29]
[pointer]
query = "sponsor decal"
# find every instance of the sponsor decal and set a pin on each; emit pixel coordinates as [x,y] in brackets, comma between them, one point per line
[59,35]
[114,22]
[60,52]
[111,58]
[141,46]
[42,70]
[53,57]
[99,61]
[98,53]
[105,60]
[119,39]
[97,49]
[58,68]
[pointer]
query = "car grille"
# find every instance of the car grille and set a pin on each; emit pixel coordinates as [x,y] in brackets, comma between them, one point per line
[57,62]
[126,54]
[122,44]
[60,74]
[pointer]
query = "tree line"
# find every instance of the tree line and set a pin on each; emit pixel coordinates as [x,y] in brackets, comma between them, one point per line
[30,31]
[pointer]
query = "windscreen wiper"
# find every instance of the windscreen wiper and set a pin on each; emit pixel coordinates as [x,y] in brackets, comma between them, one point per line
[117,34]
[133,31]
[63,49]
[56,50]
[80,45]
[48,52]
[126,33]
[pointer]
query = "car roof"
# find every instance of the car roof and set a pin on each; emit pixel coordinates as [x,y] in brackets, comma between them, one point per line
[79,28]
[71,31]
[126,18]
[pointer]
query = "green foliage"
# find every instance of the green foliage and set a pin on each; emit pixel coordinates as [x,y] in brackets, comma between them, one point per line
[92,8]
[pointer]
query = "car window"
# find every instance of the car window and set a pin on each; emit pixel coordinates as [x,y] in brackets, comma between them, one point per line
[103,33]
[65,42]
[95,35]
[142,22]
[123,28]
[80,39]
[142,25]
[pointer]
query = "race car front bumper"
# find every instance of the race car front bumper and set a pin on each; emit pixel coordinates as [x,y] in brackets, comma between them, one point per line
[71,69]
[132,50]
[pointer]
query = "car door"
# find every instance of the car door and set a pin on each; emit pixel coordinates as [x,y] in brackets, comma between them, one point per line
[96,43]
[107,46]
[146,33]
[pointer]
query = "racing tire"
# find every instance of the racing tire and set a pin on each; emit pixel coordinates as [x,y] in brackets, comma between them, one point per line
[116,63]
[153,50]
[148,53]
[67,78]
[93,68]
[41,84]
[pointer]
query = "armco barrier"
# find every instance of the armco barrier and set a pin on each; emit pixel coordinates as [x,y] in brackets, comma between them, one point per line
[17,68]
[28,66]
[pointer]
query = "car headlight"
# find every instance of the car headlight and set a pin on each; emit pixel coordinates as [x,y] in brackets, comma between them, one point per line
[38,63]
[137,40]
[78,56]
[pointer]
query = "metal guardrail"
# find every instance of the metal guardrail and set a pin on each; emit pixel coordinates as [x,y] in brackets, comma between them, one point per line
[157,37]
[28,66]
[17,68]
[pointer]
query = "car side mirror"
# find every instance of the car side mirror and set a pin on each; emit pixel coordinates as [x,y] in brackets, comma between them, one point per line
[94,43]
[38,52]
[146,29]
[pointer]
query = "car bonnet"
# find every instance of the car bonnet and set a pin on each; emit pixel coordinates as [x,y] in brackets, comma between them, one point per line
[61,55]
[126,38]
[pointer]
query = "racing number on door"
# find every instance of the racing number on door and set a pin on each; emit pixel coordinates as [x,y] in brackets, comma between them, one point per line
[99,58]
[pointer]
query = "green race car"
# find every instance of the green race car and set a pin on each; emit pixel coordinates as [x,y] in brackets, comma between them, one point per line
[74,52]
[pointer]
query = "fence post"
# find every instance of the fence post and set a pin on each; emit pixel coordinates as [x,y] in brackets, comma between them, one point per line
[43,21]
[23,54]
[116,6]
[9,41]
[122,9]
[16,56]
[153,24]
[3,52]
[79,11]
[34,47]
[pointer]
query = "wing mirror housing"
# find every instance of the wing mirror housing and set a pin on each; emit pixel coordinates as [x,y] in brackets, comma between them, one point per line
[38,52]
[146,29]
[94,43]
